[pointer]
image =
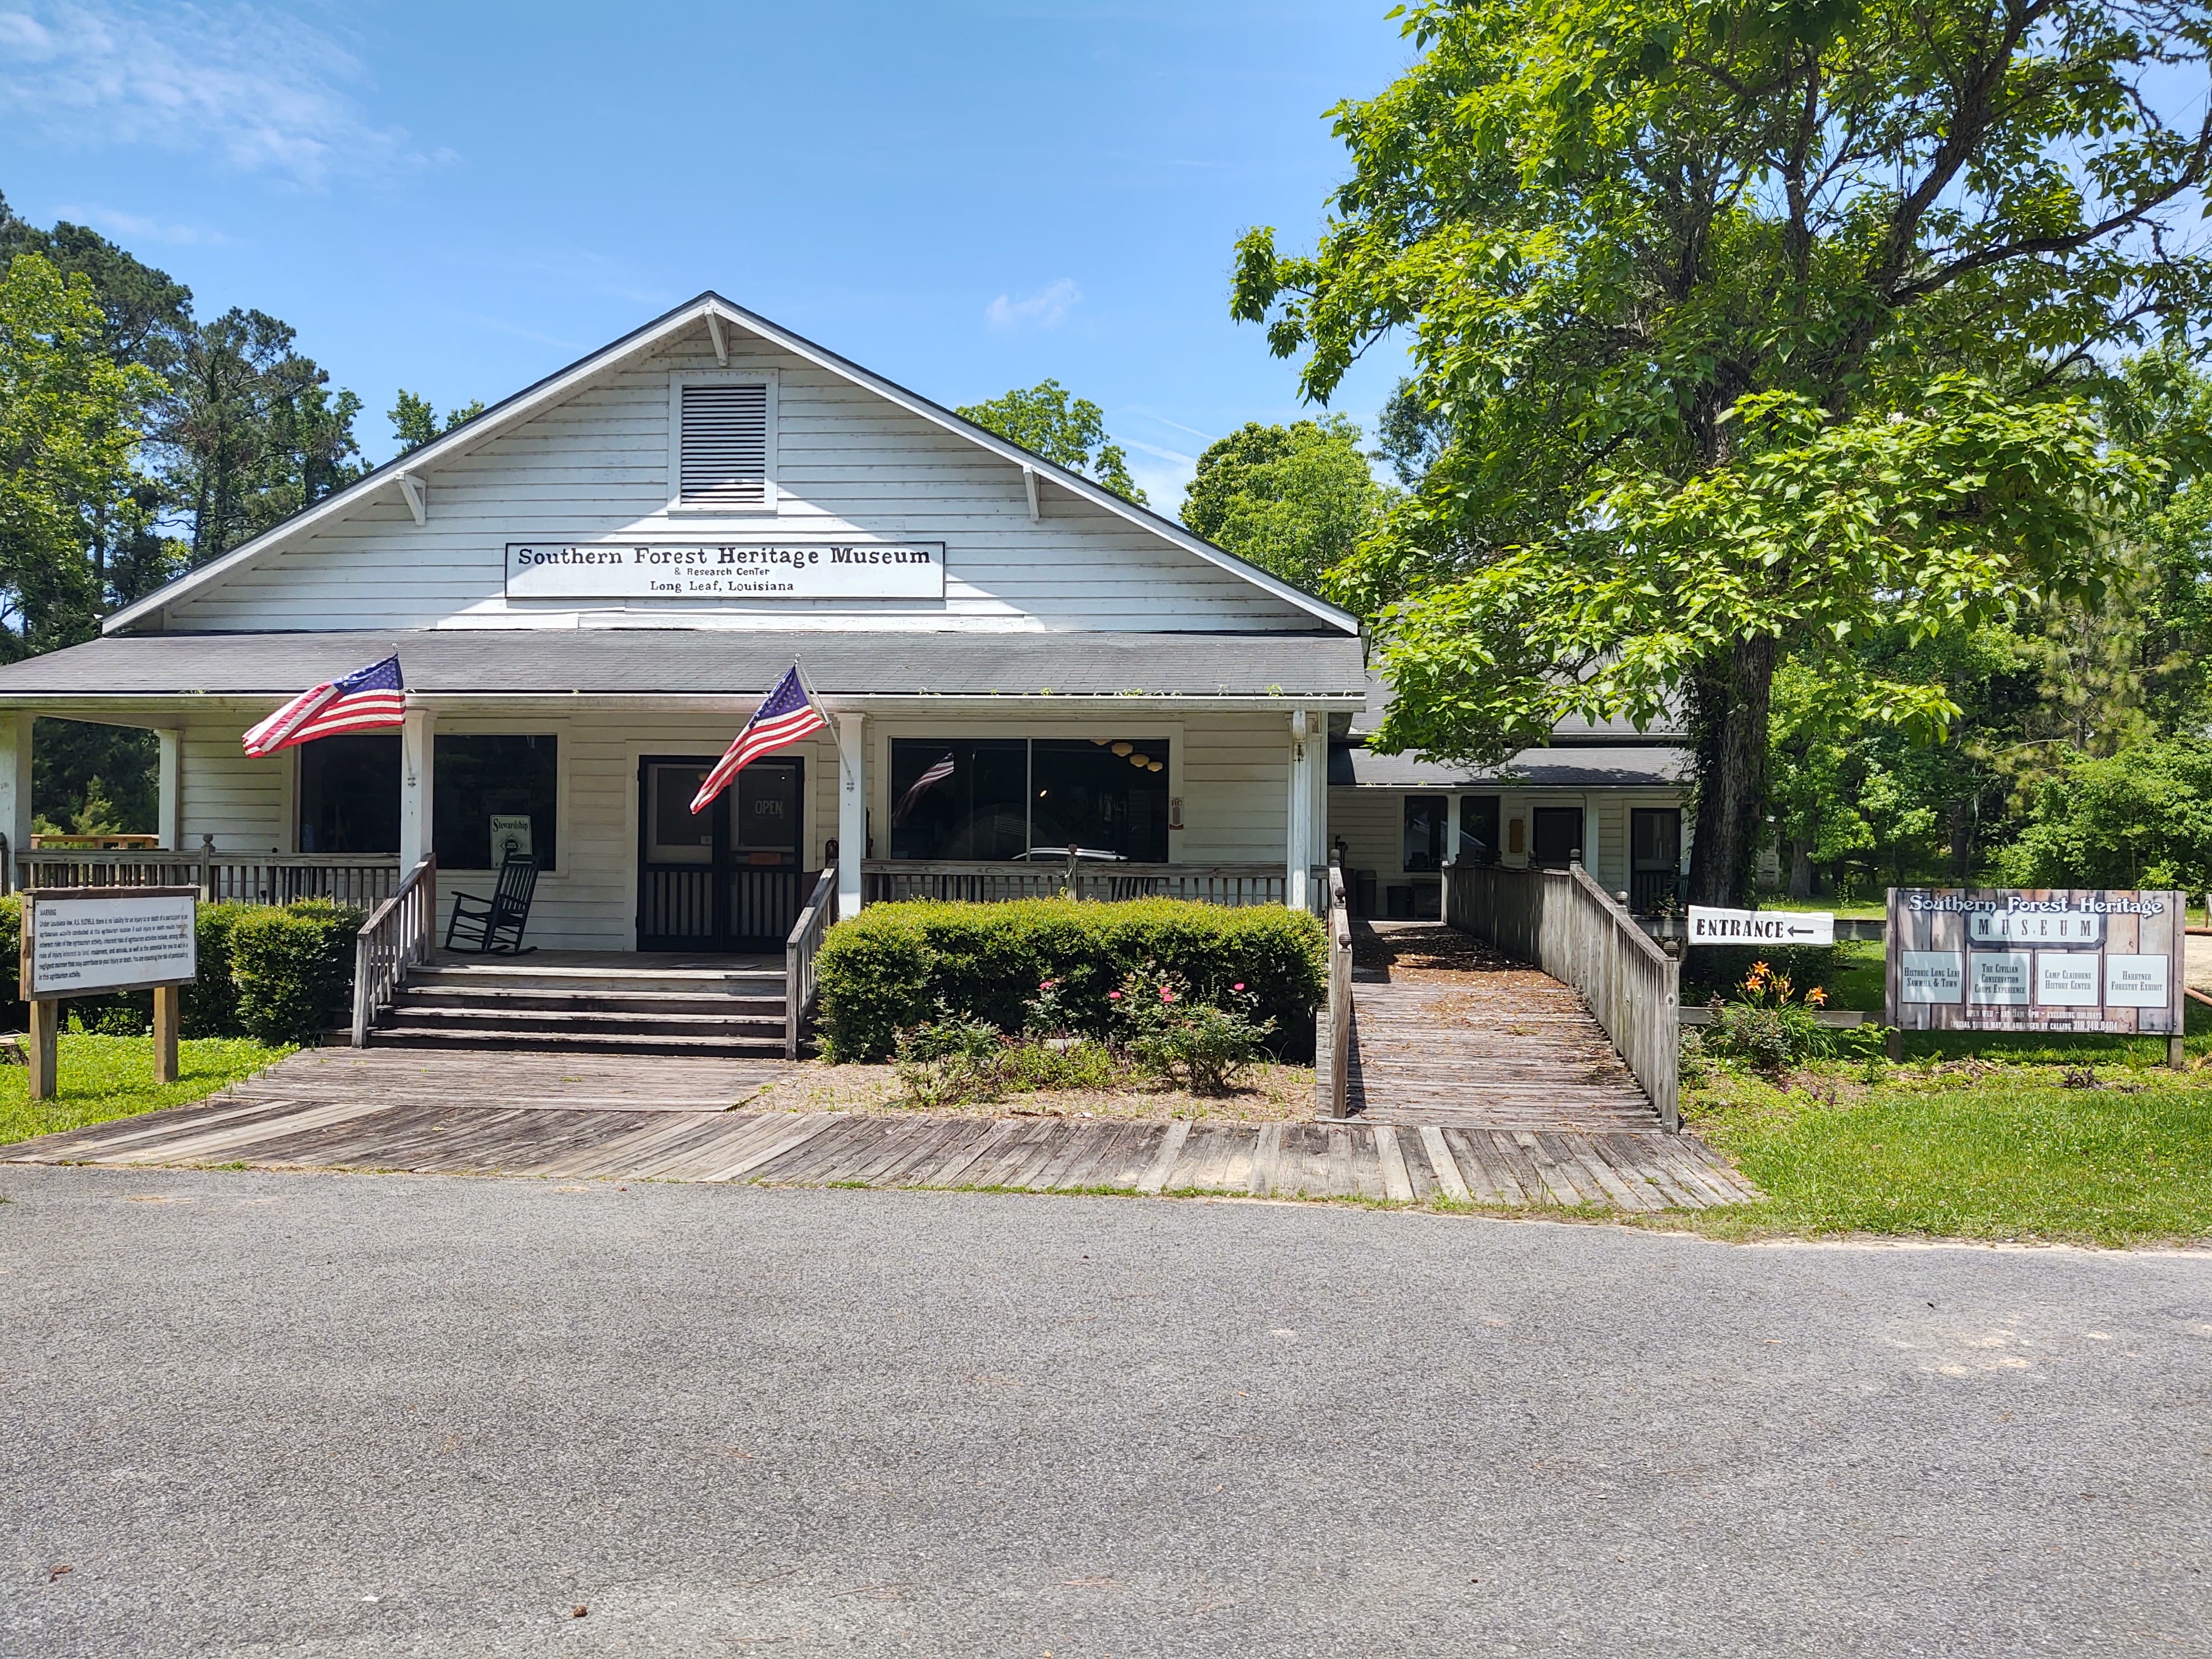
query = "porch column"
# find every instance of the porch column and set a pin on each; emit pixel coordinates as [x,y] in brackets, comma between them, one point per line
[418,738]
[169,819]
[1309,754]
[851,811]
[15,791]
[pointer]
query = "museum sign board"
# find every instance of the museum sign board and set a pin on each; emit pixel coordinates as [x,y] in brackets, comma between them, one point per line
[2034,959]
[755,569]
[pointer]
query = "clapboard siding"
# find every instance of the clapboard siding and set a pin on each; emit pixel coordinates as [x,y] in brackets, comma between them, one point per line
[848,464]
[1236,790]
[1611,847]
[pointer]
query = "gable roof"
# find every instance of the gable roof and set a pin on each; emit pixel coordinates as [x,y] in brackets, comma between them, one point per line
[522,406]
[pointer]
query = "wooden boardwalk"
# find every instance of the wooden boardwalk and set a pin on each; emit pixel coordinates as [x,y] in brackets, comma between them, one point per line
[556,1116]
[1447,1032]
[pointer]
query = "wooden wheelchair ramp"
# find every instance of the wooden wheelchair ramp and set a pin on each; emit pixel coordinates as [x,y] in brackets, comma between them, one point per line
[1448,1032]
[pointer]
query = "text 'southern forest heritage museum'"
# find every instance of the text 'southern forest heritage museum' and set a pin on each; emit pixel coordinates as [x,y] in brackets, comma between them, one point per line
[590,585]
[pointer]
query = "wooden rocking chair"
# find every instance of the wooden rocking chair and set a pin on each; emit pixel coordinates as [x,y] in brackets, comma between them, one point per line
[494,927]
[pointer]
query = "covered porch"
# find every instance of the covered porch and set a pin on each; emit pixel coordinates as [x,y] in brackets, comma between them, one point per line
[955,767]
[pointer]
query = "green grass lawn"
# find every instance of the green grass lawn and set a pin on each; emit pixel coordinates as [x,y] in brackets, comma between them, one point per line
[1974,1137]
[109,1077]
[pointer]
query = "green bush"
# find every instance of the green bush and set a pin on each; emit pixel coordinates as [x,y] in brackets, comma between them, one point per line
[1711,970]
[293,969]
[888,968]
[1176,1036]
[210,1002]
[2141,818]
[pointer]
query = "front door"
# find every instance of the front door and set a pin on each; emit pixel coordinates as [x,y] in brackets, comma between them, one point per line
[729,878]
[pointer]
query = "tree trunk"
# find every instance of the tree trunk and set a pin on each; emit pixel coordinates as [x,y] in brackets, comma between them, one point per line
[1962,839]
[1729,720]
[1800,869]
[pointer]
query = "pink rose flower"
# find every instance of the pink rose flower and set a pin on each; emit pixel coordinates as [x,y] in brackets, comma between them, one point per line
[1238,986]
[1113,996]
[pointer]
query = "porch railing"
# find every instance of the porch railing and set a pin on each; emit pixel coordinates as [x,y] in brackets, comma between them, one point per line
[990,882]
[360,878]
[1332,1064]
[1565,923]
[402,934]
[799,957]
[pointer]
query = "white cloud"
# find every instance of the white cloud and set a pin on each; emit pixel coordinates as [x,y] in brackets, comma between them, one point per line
[1163,475]
[1047,308]
[138,228]
[262,90]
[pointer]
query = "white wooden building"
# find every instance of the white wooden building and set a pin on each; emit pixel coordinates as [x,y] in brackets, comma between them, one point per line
[590,586]
[1609,795]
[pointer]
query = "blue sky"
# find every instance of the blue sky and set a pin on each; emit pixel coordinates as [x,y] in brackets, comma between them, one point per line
[459,198]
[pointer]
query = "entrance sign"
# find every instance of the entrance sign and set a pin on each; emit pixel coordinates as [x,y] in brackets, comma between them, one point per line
[1998,959]
[1710,925]
[726,570]
[90,941]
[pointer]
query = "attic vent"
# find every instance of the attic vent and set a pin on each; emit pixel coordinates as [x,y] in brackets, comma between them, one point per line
[724,449]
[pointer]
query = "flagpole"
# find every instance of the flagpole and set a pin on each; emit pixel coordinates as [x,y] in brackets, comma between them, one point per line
[828,720]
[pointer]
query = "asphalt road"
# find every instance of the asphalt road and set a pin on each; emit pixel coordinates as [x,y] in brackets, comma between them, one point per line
[326,1415]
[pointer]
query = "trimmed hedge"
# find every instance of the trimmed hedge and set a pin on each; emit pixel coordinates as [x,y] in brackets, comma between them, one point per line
[293,968]
[889,967]
[283,974]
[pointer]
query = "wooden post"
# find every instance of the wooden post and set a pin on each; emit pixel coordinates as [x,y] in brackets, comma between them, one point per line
[45,1054]
[2176,1056]
[1896,1044]
[168,1009]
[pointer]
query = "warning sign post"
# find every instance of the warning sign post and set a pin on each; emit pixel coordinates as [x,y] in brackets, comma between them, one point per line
[94,941]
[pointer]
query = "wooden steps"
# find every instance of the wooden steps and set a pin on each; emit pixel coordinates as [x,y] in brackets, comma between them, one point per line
[601,1008]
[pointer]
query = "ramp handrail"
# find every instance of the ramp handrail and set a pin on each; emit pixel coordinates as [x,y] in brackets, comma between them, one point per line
[1561,921]
[799,957]
[1335,1060]
[402,934]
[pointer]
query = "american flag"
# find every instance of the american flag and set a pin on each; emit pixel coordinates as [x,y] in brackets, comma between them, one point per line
[786,715]
[936,772]
[367,697]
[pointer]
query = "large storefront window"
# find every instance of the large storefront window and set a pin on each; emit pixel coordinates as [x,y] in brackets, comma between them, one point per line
[492,796]
[349,795]
[1012,798]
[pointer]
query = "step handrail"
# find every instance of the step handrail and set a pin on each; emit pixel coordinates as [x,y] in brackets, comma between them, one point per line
[400,935]
[799,957]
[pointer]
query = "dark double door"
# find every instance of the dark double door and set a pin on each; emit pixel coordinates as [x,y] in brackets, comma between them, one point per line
[729,879]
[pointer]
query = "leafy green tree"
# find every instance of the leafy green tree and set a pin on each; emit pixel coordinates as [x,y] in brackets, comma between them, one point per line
[2140,817]
[149,319]
[1412,436]
[69,432]
[1752,331]
[1294,499]
[1069,432]
[255,433]
[415,422]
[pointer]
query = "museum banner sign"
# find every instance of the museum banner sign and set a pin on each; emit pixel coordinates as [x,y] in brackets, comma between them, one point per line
[2035,959]
[726,570]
